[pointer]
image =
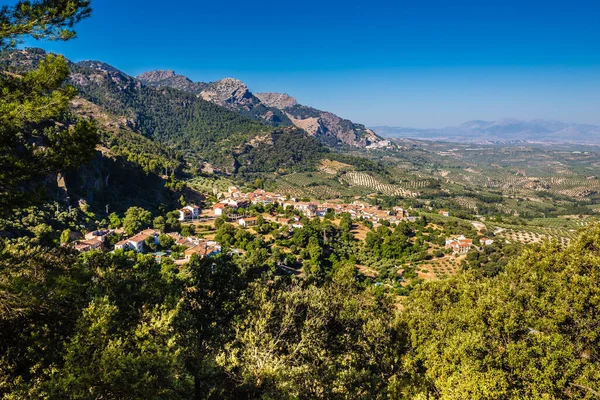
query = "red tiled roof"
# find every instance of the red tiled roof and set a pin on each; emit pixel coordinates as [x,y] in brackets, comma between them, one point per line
[140,237]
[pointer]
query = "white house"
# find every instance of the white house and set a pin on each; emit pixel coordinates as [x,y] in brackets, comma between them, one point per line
[218,209]
[188,212]
[248,221]
[460,244]
[137,241]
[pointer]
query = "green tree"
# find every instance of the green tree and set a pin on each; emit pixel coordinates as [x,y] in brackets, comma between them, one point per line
[172,223]
[159,223]
[166,241]
[65,236]
[114,221]
[136,219]
[211,290]
[315,342]
[41,293]
[143,362]
[150,243]
[188,230]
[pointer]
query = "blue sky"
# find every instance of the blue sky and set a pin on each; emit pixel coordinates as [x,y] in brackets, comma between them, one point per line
[421,63]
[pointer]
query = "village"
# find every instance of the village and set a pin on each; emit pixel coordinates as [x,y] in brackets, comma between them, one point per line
[231,206]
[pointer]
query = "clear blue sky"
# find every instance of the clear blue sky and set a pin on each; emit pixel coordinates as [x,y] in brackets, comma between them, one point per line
[421,63]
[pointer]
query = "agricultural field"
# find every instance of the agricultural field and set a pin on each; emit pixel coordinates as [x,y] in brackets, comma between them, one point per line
[332,167]
[438,268]
[210,185]
[561,229]
[365,180]
[317,185]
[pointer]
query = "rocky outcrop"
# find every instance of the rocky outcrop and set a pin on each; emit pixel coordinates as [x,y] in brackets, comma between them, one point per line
[229,92]
[171,79]
[326,126]
[277,100]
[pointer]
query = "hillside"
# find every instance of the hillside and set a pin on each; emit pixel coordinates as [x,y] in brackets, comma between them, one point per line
[274,108]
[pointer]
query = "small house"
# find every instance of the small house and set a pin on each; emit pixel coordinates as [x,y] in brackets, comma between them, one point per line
[247,221]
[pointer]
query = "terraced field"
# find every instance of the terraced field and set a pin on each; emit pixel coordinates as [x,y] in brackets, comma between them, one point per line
[438,267]
[209,185]
[561,229]
[364,180]
[315,185]
[574,187]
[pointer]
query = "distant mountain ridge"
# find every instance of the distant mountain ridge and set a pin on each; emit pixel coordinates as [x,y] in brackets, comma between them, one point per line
[537,130]
[277,109]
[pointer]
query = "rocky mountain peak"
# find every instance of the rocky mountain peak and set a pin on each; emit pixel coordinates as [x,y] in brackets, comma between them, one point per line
[277,100]
[169,78]
[159,75]
[227,91]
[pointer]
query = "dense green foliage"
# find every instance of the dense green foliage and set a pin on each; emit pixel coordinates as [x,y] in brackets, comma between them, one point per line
[531,332]
[38,137]
[118,324]
[492,259]
[291,150]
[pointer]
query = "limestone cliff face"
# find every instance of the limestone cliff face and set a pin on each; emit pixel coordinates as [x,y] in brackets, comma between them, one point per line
[228,92]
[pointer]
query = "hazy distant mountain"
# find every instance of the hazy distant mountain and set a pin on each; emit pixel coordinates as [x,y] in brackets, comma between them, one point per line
[503,130]
[274,108]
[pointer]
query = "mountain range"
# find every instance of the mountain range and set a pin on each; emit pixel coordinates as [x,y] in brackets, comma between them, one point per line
[506,130]
[277,109]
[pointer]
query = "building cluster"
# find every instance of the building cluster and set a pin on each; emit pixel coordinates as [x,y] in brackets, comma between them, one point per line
[94,240]
[234,199]
[137,242]
[189,212]
[193,246]
[461,245]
